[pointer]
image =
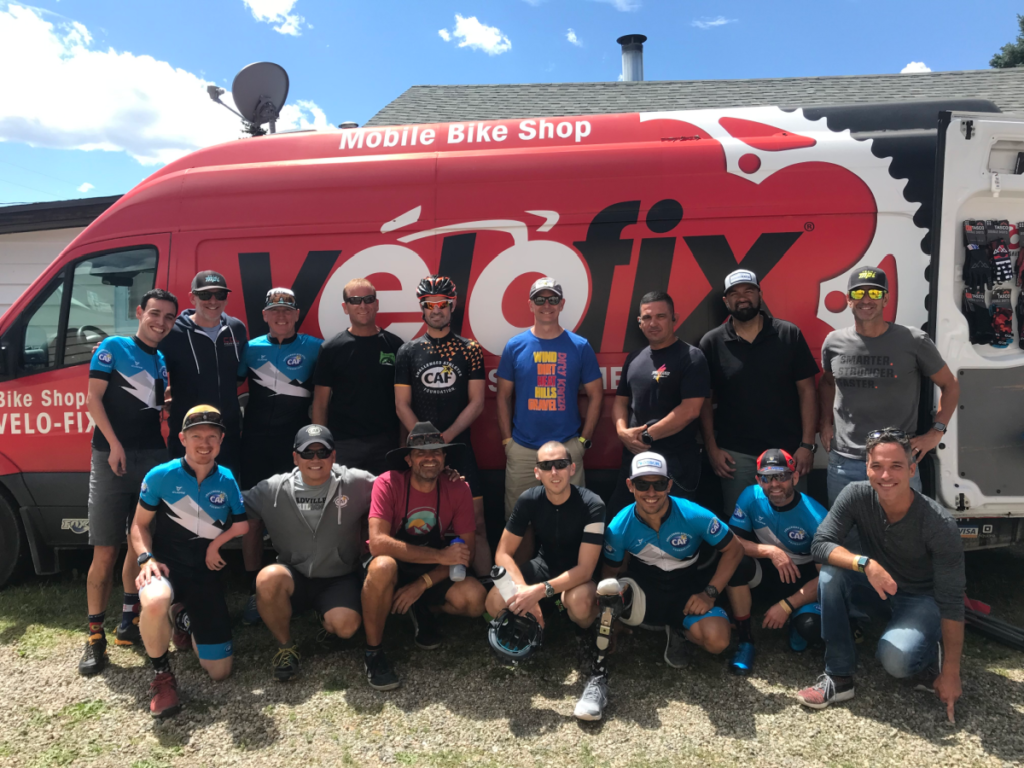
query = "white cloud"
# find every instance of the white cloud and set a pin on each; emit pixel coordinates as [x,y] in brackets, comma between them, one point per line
[708,23]
[81,97]
[915,66]
[473,34]
[623,5]
[86,187]
[571,37]
[277,12]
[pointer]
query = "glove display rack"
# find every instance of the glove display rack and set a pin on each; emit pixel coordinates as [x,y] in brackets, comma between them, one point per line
[994,262]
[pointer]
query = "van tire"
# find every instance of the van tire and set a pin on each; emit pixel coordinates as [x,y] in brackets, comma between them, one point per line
[13,546]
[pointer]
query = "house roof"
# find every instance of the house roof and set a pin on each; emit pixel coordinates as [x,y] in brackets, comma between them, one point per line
[59,214]
[453,103]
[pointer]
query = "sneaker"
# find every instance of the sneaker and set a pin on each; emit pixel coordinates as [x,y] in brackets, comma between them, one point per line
[594,699]
[826,691]
[182,637]
[677,652]
[797,643]
[743,660]
[129,635]
[379,674]
[250,615]
[94,658]
[286,664]
[165,696]
[428,636]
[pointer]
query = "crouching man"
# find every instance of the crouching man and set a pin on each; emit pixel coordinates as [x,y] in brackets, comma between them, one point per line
[188,508]
[316,516]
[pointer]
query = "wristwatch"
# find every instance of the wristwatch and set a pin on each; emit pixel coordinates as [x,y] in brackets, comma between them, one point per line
[812,447]
[939,427]
[645,438]
[549,591]
[861,563]
[585,443]
[711,591]
[144,558]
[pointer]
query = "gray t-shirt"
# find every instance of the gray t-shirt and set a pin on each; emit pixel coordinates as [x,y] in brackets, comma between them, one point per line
[878,382]
[310,500]
[922,552]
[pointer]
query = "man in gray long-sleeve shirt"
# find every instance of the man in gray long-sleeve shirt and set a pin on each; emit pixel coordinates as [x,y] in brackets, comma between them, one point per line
[912,566]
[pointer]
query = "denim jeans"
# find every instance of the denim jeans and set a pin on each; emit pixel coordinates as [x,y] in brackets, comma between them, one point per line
[910,641]
[843,471]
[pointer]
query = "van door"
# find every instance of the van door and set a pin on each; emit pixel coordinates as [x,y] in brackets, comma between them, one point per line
[980,158]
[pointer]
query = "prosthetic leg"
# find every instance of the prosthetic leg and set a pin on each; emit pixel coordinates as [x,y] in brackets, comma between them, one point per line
[595,695]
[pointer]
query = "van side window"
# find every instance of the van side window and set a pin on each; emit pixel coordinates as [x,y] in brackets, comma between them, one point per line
[105,290]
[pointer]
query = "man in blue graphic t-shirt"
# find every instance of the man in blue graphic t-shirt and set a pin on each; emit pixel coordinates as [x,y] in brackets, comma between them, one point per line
[543,368]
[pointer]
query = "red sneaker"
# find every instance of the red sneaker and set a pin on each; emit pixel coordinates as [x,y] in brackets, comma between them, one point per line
[182,638]
[165,695]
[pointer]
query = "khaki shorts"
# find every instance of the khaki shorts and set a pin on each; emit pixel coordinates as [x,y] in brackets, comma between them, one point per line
[519,464]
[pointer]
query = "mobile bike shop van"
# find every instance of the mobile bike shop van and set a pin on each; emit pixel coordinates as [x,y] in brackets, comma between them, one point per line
[612,206]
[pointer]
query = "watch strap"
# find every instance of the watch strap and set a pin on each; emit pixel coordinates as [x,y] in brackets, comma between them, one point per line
[809,446]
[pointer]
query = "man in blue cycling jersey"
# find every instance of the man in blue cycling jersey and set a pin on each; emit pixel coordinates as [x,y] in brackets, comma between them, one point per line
[188,509]
[775,524]
[663,536]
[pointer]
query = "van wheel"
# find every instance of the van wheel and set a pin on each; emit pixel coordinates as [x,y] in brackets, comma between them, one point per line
[13,547]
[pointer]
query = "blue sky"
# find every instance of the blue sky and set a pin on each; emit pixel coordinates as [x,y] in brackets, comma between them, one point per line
[98,94]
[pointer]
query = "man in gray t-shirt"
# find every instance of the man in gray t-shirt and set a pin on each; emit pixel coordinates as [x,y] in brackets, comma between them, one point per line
[871,379]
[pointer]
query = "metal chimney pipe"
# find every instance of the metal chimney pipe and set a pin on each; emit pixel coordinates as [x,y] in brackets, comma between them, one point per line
[349,124]
[632,57]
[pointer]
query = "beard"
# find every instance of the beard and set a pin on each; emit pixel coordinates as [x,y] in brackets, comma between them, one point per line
[437,325]
[745,314]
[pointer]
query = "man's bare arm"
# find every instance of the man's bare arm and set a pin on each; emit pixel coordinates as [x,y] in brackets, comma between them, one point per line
[321,399]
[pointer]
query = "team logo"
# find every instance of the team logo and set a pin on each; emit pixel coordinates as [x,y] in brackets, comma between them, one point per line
[420,522]
[217,498]
[648,463]
[162,373]
[293,361]
[739,514]
[660,374]
[314,431]
[75,524]
[145,488]
[177,489]
[340,501]
[867,274]
[387,358]
[796,534]
[679,541]
[105,357]
[438,377]
[715,527]
[609,548]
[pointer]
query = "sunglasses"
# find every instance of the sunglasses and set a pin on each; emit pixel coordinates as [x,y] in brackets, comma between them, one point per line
[873,293]
[430,306]
[554,301]
[643,485]
[357,300]
[218,295]
[202,417]
[896,434]
[782,477]
[318,453]
[547,466]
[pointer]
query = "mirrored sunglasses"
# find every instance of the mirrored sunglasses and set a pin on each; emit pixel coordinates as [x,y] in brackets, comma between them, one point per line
[873,293]
[429,306]
[782,477]
[896,434]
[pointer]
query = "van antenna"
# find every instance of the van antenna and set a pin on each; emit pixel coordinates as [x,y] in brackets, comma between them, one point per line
[259,91]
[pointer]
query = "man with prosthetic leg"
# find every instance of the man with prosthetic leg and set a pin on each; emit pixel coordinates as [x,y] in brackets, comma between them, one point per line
[663,536]
[774,524]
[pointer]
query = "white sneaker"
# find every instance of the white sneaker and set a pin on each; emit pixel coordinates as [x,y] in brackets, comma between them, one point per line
[594,699]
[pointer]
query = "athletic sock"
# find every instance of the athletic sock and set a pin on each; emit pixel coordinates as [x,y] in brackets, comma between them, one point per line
[129,609]
[96,623]
[161,664]
[373,650]
[743,629]
[252,581]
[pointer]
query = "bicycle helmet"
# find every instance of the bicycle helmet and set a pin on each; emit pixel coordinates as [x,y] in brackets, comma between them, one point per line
[436,285]
[515,638]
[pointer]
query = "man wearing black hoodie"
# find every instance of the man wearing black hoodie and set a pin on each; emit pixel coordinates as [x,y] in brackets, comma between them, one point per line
[205,354]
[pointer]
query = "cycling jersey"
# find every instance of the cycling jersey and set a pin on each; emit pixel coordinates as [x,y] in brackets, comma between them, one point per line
[559,529]
[189,515]
[439,372]
[791,529]
[136,377]
[280,384]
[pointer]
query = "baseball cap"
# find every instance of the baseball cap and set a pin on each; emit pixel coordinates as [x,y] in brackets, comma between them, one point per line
[314,433]
[208,280]
[648,463]
[740,276]
[868,276]
[775,461]
[202,414]
[281,297]
[546,284]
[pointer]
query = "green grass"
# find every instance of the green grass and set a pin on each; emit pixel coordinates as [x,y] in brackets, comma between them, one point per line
[83,710]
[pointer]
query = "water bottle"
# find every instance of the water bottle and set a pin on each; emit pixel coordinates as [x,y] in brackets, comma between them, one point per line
[506,587]
[457,572]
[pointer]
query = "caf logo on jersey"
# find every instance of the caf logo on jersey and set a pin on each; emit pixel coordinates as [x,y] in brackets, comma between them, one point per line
[679,541]
[217,498]
[796,534]
[293,361]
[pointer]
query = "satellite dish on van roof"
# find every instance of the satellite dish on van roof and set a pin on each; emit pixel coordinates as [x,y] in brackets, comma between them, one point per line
[260,91]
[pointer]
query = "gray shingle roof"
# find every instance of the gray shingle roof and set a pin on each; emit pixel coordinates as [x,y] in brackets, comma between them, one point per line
[451,103]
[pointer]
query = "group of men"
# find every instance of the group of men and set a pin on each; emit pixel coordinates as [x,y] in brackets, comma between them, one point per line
[363,529]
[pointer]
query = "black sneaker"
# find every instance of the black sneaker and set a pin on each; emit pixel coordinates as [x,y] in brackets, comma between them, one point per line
[379,674]
[286,664]
[424,622]
[94,659]
[129,635]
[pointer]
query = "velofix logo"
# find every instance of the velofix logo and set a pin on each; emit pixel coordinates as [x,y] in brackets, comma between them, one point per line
[217,499]
[293,361]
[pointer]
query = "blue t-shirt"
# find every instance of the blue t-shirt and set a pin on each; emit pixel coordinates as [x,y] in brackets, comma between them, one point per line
[791,530]
[280,384]
[189,515]
[547,374]
[673,547]
[136,378]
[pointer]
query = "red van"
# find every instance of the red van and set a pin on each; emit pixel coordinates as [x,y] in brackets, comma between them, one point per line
[612,206]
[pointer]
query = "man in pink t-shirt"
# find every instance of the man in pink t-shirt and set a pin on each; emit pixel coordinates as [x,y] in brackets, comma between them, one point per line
[413,517]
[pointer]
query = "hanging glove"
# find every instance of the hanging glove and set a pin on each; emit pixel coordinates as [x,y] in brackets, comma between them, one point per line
[979,321]
[1002,318]
[1001,262]
[1020,319]
[977,268]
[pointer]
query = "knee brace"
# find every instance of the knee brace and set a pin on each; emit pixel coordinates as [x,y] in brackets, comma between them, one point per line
[635,603]
[806,620]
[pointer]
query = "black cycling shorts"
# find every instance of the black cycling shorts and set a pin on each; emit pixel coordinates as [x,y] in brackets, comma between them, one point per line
[409,572]
[464,460]
[771,586]
[323,595]
[202,594]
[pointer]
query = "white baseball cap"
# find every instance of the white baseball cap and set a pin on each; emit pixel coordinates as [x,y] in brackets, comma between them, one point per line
[648,463]
[740,276]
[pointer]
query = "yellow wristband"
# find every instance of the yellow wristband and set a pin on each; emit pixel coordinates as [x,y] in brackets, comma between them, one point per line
[786,607]
[506,441]
[428,580]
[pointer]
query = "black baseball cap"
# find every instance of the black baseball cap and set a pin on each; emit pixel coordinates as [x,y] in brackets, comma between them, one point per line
[314,433]
[868,277]
[775,461]
[208,280]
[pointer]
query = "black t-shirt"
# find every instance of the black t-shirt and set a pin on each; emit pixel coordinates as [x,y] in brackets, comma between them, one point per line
[755,385]
[559,529]
[439,372]
[360,370]
[658,380]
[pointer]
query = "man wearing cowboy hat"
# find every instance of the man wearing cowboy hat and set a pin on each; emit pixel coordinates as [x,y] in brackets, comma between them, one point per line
[412,519]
